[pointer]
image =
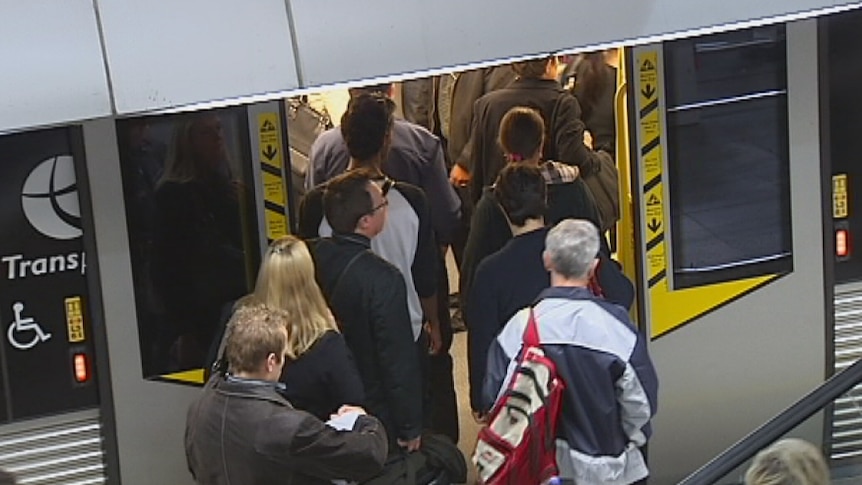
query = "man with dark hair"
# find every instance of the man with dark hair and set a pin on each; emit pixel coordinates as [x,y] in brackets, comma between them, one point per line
[368,297]
[509,279]
[241,430]
[407,242]
[414,156]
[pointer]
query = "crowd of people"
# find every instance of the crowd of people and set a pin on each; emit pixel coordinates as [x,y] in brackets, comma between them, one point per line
[337,365]
[362,293]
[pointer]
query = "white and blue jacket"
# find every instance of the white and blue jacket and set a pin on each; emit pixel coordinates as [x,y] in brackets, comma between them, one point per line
[611,385]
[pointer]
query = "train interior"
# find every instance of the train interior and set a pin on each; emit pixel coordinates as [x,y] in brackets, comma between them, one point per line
[735,152]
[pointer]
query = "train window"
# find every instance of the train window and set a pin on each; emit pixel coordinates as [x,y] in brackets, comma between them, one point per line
[187,184]
[728,156]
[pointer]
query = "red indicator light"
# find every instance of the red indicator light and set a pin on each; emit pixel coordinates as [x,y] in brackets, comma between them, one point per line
[842,243]
[82,370]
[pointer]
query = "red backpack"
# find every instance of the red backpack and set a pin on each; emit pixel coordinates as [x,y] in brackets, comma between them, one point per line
[517,445]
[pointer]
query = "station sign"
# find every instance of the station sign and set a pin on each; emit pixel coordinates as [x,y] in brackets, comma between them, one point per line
[43,287]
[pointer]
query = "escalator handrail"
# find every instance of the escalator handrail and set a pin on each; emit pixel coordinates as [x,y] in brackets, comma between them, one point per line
[776,427]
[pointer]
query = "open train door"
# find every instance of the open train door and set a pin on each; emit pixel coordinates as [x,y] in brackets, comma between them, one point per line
[727,196]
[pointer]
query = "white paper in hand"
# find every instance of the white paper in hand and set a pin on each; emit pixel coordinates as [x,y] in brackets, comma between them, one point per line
[345,422]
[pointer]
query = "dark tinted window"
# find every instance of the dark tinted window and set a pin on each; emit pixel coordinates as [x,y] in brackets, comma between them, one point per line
[726,65]
[728,156]
[187,185]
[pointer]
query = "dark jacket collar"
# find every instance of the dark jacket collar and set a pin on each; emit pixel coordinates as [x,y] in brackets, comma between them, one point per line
[533,83]
[353,238]
[566,292]
[251,389]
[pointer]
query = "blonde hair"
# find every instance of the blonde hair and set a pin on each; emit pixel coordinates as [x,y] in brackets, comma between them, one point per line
[788,462]
[286,282]
[254,332]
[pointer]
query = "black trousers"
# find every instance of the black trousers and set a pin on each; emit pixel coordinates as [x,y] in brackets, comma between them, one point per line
[441,398]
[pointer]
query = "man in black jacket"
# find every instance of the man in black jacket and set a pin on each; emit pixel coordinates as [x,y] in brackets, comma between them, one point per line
[368,297]
[241,430]
[407,242]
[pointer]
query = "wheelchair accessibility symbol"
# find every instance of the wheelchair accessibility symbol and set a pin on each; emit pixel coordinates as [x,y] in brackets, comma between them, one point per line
[24,332]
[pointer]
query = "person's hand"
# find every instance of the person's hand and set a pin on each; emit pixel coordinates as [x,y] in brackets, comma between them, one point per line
[479,417]
[411,445]
[349,409]
[435,340]
[459,176]
[588,139]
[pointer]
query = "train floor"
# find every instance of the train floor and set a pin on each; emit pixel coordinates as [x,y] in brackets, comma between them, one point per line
[469,428]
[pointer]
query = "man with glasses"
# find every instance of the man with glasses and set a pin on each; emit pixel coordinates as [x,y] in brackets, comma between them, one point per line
[412,156]
[368,298]
[241,430]
[407,239]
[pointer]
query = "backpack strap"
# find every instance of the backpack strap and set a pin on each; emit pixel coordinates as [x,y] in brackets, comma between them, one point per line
[531,332]
[341,275]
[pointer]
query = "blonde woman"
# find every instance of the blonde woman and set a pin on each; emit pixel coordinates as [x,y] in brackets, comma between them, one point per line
[788,462]
[320,375]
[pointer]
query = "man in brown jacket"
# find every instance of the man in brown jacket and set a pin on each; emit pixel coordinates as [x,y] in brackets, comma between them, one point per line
[240,430]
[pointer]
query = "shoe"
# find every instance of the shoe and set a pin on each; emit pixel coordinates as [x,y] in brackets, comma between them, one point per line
[457,320]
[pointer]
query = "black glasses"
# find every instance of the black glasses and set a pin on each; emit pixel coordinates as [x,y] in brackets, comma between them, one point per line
[378,207]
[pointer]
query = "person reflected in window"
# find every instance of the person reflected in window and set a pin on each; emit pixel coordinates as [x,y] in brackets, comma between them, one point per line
[143,160]
[198,248]
[790,461]
[321,375]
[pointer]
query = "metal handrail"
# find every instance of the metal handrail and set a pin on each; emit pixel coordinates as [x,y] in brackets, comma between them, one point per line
[775,428]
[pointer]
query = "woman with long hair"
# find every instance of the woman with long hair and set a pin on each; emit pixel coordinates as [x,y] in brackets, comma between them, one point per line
[320,375]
